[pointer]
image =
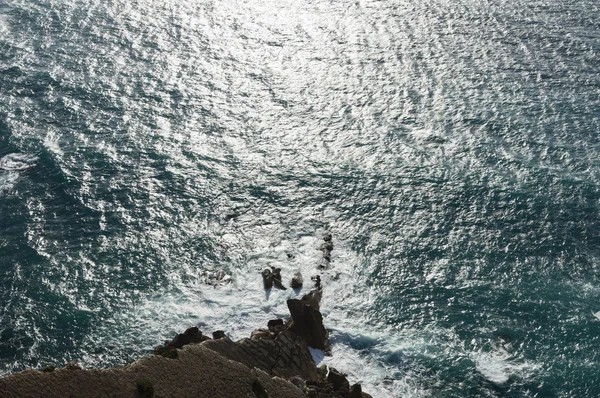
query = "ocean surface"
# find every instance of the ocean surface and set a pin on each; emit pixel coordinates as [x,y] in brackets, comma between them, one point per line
[452,148]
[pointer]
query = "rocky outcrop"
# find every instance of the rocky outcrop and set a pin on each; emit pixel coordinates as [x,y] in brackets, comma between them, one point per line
[307,322]
[272,277]
[286,355]
[198,372]
[275,362]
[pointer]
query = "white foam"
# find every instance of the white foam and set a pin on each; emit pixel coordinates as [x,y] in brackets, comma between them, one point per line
[499,366]
[7,181]
[17,162]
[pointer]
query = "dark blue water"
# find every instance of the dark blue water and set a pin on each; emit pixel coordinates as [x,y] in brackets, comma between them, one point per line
[451,148]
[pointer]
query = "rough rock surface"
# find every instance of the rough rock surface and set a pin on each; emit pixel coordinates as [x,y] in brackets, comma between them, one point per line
[198,372]
[284,356]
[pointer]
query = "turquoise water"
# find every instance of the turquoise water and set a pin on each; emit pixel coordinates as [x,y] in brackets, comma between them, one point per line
[451,148]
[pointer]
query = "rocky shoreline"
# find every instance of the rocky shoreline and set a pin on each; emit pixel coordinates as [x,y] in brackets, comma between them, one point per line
[274,362]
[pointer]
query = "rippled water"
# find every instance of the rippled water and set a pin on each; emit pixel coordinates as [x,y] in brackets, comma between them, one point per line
[451,147]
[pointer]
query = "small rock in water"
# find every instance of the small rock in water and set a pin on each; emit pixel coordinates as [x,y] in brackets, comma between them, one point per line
[317,280]
[297,281]
[277,278]
[267,276]
[218,334]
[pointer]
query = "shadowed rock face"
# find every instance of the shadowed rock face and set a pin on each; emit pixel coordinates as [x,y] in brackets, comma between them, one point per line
[307,322]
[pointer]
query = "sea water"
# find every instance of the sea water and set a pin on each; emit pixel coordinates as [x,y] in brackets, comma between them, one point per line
[450,147]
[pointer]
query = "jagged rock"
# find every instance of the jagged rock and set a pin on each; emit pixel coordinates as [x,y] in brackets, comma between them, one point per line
[355,391]
[297,281]
[307,322]
[314,298]
[218,334]
[267,276]
[339,381]
[276,273]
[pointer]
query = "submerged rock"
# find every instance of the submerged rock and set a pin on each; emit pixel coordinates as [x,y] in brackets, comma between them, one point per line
[218,278]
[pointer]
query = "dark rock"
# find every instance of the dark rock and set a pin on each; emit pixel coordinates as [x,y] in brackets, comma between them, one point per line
[190,336]
[259,391]
[274,322]
[338,380]
[218,334]
[313,298]
[317,280]
[327,237]
[276,272]
[322,371]
[166,351]
[144,389]
[297,281]
[307,322]
[267,276]
[355,391]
